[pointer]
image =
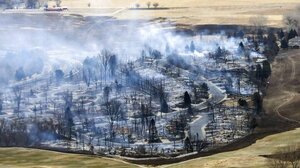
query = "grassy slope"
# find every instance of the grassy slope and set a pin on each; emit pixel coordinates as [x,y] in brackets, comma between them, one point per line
[247,157]
[283,92]
[20,157]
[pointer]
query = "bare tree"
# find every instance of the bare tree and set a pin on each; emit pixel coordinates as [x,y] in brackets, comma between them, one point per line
[68,99]
[114,113]
[87,75]
[1,102]
[258,22]
[18,97]
[292,21]
[106,93]
[155,5]
[104,58]
[148,4]
[58,3]
[288,156]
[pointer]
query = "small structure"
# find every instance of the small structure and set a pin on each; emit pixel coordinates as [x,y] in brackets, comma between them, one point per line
[295,42]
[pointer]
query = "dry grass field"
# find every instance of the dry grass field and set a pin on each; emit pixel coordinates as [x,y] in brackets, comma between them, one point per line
[192,12]
[25,158]
[250,156]
[283,92]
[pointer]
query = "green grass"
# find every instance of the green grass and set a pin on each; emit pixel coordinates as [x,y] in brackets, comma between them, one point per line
[22,157]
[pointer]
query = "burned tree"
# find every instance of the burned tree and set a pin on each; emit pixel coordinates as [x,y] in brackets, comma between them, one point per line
[188,145]
[164,108]
[107,61]
[192,46]
[112,64]
[18,97]
[106,93]
[69,123]
[153,136]
[20,74]
[59,75]
[187,99]
[114,112]
[258,102]
[1,103]
[88,68]
[68,99]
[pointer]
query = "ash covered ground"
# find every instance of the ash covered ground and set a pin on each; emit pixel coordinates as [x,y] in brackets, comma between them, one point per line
[122,87]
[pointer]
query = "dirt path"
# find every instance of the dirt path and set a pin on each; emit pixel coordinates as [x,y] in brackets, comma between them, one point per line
[284,86]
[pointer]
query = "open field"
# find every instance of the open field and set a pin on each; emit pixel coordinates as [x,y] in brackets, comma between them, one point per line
[191,12]
[21,157]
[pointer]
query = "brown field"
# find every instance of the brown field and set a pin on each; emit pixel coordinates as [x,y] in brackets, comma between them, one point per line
[283,92]
[250,156]
[193,12]
[22,157]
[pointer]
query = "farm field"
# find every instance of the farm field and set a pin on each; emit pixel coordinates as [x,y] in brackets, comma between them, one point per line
[193,12]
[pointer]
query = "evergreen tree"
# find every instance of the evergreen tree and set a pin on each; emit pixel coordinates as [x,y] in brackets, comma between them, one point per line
[266,70]
[69,122]
[164,108]
[284,44]
[258,102]
[71,75]
[153,136]
[187,99]
[281,34]
[292,34]
[190,111]
[188,145]
[258,72]
[240,34]
[271,47]
[1,105]
[192,46]
[241,47]
[167,49]
[20,74]
[256,46]
[59,75]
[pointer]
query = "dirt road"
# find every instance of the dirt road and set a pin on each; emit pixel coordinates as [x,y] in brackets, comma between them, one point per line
[282,95]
